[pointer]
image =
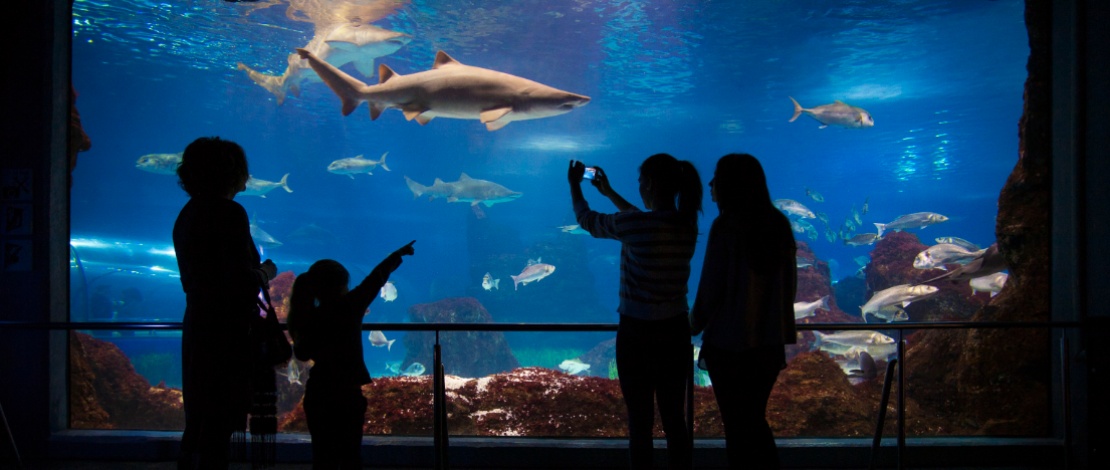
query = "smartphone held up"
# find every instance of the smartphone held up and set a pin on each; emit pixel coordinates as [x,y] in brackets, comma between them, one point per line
[590,173]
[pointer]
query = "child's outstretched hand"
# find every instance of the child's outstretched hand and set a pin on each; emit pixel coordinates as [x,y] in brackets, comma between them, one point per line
[407,249]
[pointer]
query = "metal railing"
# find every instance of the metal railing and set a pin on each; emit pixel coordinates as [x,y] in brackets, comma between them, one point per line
[439,428]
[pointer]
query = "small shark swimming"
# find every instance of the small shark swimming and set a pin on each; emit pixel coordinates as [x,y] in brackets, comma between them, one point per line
[338,44]
[466,189]
[450,90]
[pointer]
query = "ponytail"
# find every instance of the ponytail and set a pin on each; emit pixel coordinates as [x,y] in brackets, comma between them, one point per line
[689,191]
[676,179]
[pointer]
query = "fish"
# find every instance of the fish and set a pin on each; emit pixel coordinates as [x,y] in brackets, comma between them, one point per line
[793,207]
[415,369]
[823,217]
[990,262]
[261,238]
[388,292]
[958,242]
[574,229]
[914,220]
[337,43]
[862,260]
[853,341]
[889,313]
[489,283]
[160,163]
[466,189]
[450,90]
[802,262]
[292,372]
[902,294]
[837,113]
[864,209]
[992,283]
[807,309]
[394,367]
[357,165]
[378,340]
[936,256]
[534,271]
[859,366]
[258,187]
[863,239]
[816,196]
[830,236]
[573,366]
[856,217]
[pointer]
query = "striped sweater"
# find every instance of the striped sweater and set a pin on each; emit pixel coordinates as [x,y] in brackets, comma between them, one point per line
[656,248]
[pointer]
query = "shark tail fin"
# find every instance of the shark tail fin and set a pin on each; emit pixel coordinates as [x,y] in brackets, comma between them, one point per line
[516,281]
[345,86]
[824,303]
[880,228]
[797,110]
[416,188]
[285,183]
[275,84]
[389,344]
[381,162]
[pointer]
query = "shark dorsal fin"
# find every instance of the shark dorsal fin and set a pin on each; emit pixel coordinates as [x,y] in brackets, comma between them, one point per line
[443,59]
[840,102]
[464,177]
[359,157]
[438,181]
[385,73]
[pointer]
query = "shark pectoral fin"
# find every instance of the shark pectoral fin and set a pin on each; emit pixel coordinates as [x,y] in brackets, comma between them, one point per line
[423,119]
[474,203]
[350,176]
[452,199]
[375,111]
[822,126]
[494,114]
[488,203]
[495,125]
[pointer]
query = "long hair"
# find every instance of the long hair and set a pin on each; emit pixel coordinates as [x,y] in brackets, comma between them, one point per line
[212,166]
[324,281]
[675,179]
[742,193]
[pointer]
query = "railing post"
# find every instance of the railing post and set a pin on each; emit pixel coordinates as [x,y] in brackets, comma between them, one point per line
[901,399]
[884,399]
[1065,392]
[439,409]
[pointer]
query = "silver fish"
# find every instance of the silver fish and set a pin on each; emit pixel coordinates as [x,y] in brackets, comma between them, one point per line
[990,262]
[806,309]
[378,340]
[489,283]
[357,165]
[450,90]
[388,292]
[258,187]
[902,294]
[936,256]
[992,283]
[535,271]
[959,242]
[863,239]
[816,196]
[836,114]
[574,366]
[160,163]
[415,369]
[914,220]
[793,207]
[874,343]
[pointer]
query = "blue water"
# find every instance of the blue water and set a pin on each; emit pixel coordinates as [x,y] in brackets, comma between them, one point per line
[942,79]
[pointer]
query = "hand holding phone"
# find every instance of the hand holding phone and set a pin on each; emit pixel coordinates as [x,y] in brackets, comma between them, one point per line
[590,173]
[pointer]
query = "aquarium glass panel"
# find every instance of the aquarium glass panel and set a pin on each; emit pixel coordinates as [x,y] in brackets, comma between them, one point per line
[886,130]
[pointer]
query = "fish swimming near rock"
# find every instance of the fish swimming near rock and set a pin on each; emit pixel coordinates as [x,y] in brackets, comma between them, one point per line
[573,366]
[936,256]
[850,342]
[914,220]
[990,262]
[992,283]
[261,238]
[378,340]
[160,163]
[792,207]
[388,292]
[958,242]
[902,294]
[450,90]
[807,309]
[489,283]
[357,165]
[466,189]
[888,313]
[837,113]
[861,239]
[258,187]
[415,369]
[339,44]
[534,271]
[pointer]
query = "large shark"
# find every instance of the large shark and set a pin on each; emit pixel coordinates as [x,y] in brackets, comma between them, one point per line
[339,44]
[466,189]
[451,90]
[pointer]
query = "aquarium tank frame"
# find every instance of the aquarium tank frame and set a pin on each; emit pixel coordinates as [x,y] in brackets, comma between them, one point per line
[1069,58]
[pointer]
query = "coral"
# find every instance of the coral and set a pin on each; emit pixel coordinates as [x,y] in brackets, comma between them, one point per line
[281,286]
[465,353]
[107,393]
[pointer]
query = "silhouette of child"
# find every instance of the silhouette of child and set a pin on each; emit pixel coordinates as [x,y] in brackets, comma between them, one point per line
[325,320]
